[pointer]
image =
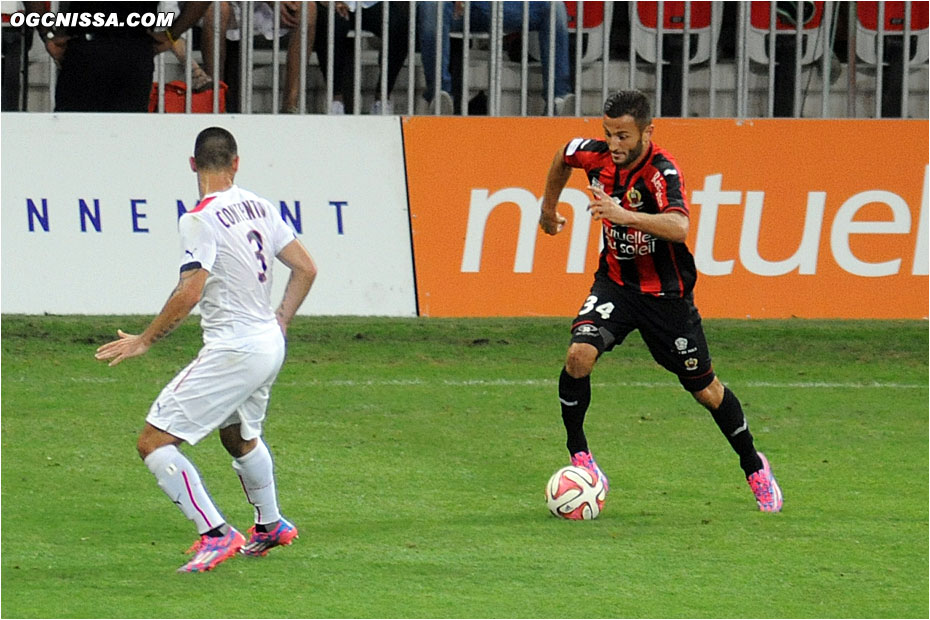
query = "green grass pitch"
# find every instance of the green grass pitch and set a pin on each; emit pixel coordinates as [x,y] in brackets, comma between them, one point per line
[412,454]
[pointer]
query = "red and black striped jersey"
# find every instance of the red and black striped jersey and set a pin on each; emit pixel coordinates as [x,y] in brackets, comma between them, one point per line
[631,258]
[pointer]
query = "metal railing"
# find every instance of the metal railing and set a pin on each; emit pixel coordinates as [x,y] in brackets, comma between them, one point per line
[737,86]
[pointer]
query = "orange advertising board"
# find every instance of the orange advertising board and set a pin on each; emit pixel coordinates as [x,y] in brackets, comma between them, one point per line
[803,218]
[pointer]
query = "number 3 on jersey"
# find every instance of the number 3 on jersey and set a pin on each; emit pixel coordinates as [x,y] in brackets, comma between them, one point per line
[256,238]
[604,309]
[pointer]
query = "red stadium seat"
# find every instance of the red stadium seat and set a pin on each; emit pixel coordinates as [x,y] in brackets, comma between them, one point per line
[706,18]
[814,30]
[893,26]
[595,25]
[593,14]
[597,17]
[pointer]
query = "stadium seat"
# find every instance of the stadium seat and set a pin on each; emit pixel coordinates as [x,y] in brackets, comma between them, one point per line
[706,18]
[867,30]
[814,30]
[597,18]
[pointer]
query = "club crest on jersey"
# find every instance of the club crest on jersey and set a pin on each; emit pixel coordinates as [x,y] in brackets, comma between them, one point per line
[691,363]
[634,199]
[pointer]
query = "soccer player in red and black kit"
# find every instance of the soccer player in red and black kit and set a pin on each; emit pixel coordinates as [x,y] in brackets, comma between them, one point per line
[644,281]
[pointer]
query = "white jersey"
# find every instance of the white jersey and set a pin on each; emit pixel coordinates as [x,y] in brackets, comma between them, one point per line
[235,235]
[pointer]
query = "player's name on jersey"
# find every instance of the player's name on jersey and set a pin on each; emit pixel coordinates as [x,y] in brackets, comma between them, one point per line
[233,214]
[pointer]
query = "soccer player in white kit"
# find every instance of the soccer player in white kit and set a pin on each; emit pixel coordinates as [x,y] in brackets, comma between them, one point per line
[228,243]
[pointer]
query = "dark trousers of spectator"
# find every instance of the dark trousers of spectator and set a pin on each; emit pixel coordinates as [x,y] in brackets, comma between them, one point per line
[106,74]
[344,48]
[893,76]
[15,67]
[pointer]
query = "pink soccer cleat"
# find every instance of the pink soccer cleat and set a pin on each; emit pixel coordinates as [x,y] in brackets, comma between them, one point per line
[210,551]
[586,460]
[766,489]
[261,542]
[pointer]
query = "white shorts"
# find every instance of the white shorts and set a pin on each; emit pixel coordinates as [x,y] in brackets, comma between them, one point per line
[220,388]
[262,22]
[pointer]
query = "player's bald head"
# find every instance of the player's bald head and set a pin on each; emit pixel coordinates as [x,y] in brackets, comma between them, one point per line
[215,149]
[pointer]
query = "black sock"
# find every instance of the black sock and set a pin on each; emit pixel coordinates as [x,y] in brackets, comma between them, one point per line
[218,532]
[729,417]
[575,396]
[264,528]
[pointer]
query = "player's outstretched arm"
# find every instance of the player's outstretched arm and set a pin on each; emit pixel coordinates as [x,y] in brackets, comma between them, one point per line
[182,300]
[303,273]
[559,173]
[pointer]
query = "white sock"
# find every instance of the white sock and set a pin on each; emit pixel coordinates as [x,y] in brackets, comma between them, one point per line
[180,481]
[256,472]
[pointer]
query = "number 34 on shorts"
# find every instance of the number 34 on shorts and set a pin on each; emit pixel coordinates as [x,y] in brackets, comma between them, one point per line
[590,305]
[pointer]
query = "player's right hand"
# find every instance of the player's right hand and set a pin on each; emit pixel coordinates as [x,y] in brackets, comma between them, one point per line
[128,345]
[551,223]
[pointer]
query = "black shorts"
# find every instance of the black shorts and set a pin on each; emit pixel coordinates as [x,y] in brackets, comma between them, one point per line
[670,327]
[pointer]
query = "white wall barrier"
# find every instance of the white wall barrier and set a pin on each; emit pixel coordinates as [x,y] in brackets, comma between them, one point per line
[90,204]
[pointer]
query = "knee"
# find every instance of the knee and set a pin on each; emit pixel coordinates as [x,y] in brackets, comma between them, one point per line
[146,444]
[241,448]
[151,439]
[580,359]
[711,396]
[234,443]
[143,447]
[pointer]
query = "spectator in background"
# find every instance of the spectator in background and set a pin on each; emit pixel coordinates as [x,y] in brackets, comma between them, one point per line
[109,69]
[263,23]
[16,45]
[343,49]
[200,81]
[480,21]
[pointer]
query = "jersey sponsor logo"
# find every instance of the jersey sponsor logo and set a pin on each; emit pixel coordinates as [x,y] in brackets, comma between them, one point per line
[628,243]
[659,184]
[681,344]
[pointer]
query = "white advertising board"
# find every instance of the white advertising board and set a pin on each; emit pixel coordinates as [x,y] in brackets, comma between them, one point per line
[90,204]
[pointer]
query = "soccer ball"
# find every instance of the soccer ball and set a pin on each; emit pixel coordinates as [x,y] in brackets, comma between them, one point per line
[575,493]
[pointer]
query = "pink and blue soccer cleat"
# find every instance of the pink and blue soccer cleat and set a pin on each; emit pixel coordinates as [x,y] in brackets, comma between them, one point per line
[586,460]
[766,489]
[261,542]
[210,551]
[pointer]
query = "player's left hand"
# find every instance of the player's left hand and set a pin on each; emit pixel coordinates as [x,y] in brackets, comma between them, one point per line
[604,207]
[128,345]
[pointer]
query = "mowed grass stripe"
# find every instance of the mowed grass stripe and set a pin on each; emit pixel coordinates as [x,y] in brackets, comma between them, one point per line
[802,385]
